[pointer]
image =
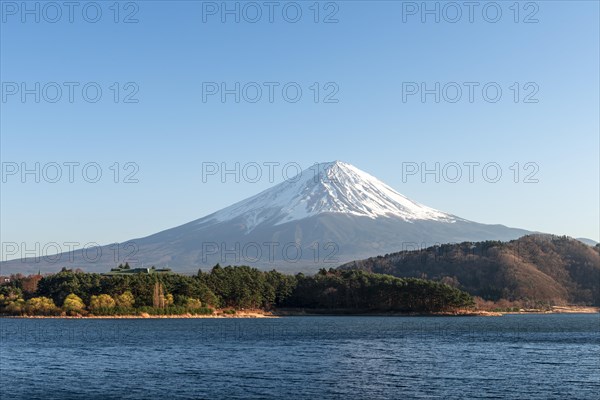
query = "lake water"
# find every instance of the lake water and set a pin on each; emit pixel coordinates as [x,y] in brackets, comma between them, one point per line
[515,356]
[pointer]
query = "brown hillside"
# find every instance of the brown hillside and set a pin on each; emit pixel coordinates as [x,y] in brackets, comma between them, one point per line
[539,268]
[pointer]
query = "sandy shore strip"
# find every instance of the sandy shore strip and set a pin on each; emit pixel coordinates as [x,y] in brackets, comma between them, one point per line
[575,310]
[239,314]
[314,313]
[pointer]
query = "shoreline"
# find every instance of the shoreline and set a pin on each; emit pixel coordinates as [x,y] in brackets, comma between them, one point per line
[561,310]
[240,314]
[327,313]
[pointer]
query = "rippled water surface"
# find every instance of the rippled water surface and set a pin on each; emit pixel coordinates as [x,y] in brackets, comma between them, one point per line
[515,356]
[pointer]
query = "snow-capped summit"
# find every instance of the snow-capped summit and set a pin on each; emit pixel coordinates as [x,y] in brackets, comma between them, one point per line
[333,187]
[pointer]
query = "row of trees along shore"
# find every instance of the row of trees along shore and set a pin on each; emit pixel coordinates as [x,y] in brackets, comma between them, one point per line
[226,288]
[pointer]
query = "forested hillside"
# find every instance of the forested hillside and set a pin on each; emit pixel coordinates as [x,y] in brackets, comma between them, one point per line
[535,269]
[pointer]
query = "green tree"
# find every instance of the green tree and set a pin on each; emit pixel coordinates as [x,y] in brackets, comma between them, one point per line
[15,307]
[101,303]
[193,304]
[73,305]
[41,306]
[125,300]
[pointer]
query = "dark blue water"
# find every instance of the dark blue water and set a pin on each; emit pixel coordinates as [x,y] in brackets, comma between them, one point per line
[510,357]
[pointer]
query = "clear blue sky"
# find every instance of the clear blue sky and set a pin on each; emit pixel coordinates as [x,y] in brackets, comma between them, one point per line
[368,54]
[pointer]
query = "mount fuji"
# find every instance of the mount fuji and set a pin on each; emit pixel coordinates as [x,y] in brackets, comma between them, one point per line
[325,216]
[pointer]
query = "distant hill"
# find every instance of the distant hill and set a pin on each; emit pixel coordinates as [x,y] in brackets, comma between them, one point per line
[589,242]
[538,268]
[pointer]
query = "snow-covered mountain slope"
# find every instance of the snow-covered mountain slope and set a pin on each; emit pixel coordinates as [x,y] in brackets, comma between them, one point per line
[330,214]
[334,187]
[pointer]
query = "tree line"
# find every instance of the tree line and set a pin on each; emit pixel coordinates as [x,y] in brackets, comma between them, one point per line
[227,288]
